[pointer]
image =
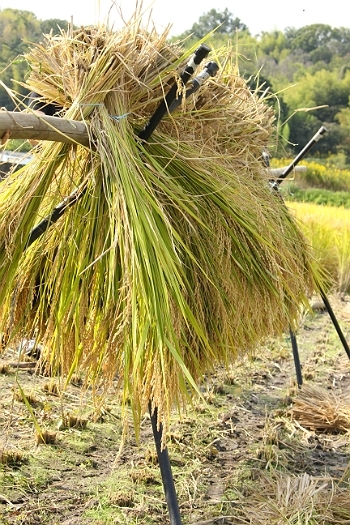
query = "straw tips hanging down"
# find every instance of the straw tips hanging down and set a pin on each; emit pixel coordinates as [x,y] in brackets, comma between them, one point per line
[177,256]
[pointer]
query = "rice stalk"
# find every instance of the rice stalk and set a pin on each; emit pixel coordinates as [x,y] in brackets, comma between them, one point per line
[177,257]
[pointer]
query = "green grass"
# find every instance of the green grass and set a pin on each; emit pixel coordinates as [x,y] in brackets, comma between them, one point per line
[292,192]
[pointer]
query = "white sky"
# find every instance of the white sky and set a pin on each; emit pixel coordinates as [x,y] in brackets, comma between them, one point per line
[258,15]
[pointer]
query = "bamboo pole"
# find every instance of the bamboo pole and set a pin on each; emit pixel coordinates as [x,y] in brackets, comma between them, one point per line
[277,172]
[21,125]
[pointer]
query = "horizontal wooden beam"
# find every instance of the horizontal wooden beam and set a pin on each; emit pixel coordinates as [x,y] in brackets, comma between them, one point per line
[21,125]
[279,171]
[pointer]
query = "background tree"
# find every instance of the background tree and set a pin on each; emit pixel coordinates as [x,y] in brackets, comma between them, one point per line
[320,41]
[343,117]
[326,91]
[224,21]
[17,29]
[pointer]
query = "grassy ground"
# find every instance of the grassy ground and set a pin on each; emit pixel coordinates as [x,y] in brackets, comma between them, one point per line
[240,455]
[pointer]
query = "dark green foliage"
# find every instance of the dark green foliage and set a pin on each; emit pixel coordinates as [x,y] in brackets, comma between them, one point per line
[224,21]
[317,196]
[17,30]
[304,126]
[54,24]
[320,41]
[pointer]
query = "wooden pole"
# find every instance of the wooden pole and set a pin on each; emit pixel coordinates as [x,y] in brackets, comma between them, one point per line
[276,172]
[21,125]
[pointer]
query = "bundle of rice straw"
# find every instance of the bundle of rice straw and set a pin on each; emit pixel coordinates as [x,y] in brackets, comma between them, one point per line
[177,256]
[321,410]
[278,497]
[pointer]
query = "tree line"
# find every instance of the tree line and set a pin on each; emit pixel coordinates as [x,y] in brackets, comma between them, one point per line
[17,30]
[304,73]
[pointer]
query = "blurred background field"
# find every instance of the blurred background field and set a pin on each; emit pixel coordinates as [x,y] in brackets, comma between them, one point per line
[325,181]
[320,199]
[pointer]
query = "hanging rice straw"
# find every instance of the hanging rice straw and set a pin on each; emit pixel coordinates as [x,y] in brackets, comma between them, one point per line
[177,256]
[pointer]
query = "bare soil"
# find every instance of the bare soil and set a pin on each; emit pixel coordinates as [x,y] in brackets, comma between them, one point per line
[60,458]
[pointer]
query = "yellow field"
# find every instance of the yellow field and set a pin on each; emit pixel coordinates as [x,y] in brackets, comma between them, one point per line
[327,175]
[328,229]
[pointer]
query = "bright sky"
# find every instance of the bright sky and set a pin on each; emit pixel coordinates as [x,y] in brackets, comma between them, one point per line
[181,14]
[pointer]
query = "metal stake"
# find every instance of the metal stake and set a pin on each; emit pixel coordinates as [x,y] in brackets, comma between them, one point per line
[274,185]
[335,323]
[165,469]
[296,358]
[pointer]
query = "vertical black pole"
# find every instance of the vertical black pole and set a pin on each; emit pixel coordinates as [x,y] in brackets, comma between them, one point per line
[296,358]
[335,323]
[274,185]
[165,469]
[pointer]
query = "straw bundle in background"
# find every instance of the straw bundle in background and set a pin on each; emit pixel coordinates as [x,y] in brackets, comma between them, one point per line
[282,498]
[321,410]
[177,256]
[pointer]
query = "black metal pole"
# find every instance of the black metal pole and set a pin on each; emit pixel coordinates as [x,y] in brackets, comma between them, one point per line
[296,358]
[335,323]
[199,55]
[275,188]
[165,469]
[302,154]
[274,185]
[209,70]
[293,338]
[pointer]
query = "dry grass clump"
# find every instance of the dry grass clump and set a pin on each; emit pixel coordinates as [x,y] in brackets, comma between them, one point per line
[177,256]
[280,498]
[273,452]
[30,397]
[45,437]
[321,410]
[12,457]
[4,369]
[73,421]
[51,387]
